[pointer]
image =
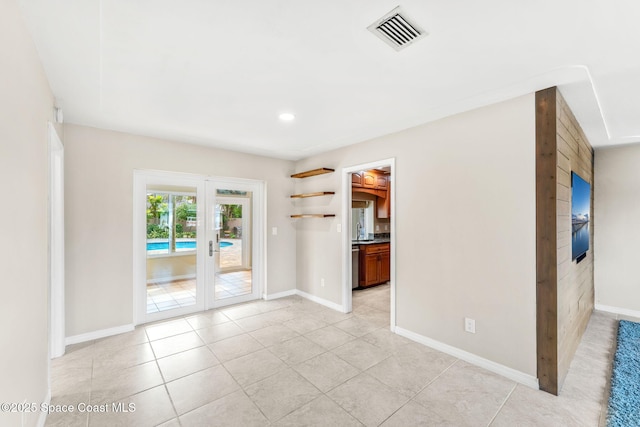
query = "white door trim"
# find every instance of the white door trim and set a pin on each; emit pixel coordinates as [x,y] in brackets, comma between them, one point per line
[56,245]
[346,235]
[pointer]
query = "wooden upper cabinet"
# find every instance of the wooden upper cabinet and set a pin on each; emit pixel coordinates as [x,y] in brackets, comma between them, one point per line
[356,179]
[376,183]
[374,179]
[381,182]
[383,204]
[369,180]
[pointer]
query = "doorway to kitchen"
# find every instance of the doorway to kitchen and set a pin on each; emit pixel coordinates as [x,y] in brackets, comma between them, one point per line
[369,239]
[197,243]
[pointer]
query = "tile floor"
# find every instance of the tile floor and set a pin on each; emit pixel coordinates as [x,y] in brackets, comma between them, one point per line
[182,293]
[170,295]
[291,362]
[233,284]
[231,256]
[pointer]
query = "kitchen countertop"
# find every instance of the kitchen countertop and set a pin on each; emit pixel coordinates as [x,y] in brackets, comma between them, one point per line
[369,242]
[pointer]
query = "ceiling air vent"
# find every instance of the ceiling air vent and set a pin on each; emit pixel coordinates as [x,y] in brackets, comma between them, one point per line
[396,29]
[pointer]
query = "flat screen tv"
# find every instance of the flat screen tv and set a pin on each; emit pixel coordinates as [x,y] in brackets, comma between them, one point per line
[580,209]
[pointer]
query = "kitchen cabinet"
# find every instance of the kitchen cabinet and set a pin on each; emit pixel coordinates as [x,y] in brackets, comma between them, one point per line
[381,182]
[385,266]
[383,204]
[375,264]
[369,179]
[356,179]
[377,184]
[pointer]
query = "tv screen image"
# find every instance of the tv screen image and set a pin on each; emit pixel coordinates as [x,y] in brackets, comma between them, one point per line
[580,210]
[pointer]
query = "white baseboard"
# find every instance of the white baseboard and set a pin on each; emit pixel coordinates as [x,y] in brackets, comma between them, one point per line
[42,419]
[487,364]
[170,279]
[279,295]
[99,334]
[321,301]
[618,310]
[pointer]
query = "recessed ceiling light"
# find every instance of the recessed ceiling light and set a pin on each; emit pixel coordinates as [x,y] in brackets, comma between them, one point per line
[286,117]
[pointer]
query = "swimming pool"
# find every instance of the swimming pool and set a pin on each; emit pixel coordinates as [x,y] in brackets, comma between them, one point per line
[159,246]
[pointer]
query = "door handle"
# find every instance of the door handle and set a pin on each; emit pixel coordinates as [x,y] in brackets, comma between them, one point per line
[210,247]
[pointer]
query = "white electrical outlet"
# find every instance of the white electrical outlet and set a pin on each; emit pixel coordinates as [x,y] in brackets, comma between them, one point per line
[274,231]
[339,228]
[377,227]
[469,325]
[322,283]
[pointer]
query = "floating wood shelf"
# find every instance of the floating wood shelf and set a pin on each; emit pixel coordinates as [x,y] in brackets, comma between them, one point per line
[307,174]
[313,216]
[317,194]
[314,172]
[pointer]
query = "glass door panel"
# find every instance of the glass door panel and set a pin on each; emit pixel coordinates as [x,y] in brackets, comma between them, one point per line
[171,249]
[231,276]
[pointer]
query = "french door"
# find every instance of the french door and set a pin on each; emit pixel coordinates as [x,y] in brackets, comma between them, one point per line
[197,243]
[235,237]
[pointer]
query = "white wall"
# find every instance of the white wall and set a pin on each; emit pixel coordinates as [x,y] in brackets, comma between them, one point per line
[465,229]
[26,106]
[99,216]
[617,238]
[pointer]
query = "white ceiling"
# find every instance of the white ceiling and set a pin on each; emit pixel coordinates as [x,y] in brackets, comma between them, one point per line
[219,72]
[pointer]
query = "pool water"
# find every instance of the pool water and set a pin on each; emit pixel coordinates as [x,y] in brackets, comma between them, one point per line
[158,246]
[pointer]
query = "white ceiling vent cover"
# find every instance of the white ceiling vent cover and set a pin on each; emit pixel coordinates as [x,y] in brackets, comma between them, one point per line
[397,30]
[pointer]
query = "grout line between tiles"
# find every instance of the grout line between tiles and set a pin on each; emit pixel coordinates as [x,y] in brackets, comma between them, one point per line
[175,411]
[254,404]
[438,376]
[394,412]
[502,405]
[304,404]
[211,401]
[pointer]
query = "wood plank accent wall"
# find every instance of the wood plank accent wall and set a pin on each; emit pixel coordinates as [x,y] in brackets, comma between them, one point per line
[575,280]
[564,289]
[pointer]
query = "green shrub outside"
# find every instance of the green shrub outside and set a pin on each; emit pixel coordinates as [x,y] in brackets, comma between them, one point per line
[155,231]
